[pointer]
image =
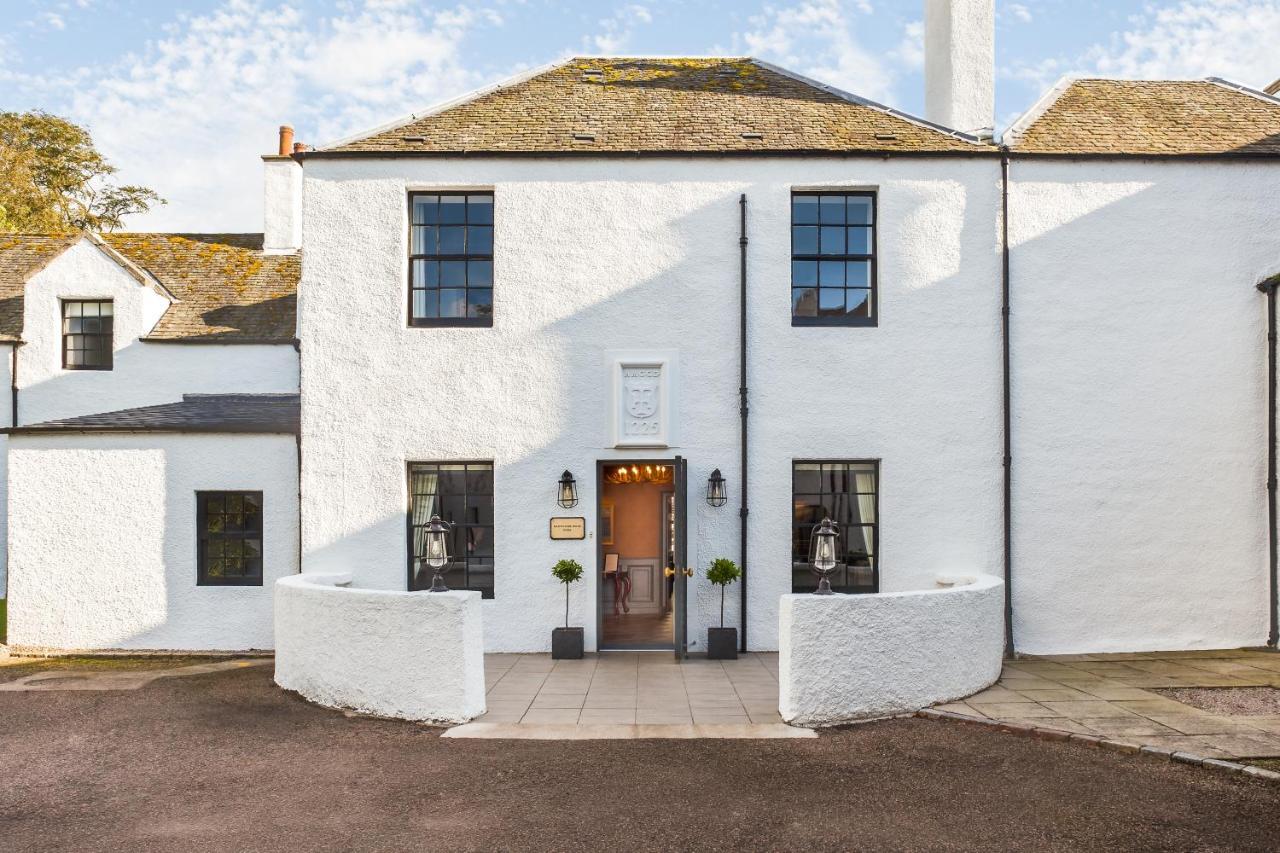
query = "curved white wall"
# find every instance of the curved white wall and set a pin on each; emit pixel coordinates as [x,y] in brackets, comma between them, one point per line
[850,657]
[412,655]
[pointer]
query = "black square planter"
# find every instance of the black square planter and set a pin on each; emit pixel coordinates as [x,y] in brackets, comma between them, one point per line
[722,643]
[566,644]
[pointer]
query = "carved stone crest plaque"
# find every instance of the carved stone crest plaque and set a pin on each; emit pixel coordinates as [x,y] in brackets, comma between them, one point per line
[641,403]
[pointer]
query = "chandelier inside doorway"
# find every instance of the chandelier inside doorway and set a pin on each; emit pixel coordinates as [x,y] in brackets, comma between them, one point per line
[637,473]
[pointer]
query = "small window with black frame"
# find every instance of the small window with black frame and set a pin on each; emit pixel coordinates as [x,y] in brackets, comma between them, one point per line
[461,493]
[833,259]
[87,329]
[230,541]
[450,259]
[847,492]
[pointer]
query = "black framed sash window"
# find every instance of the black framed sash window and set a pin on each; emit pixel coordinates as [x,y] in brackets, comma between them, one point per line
[847,492]
[461,493]
[451,259]
[833,259]
[87,328]
[230,538]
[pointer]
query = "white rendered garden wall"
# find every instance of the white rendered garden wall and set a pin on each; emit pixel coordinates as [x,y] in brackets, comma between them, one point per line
[412,655]
[593,255]
[144,373]
[850,657]
[102,543]
[1139,403]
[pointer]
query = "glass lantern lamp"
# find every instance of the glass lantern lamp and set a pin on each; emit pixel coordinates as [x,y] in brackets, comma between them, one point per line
[567,490]
[824,554]
[435,551]
[717,494]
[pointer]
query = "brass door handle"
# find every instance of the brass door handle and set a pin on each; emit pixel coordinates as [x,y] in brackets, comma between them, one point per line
[668,572]
[688,572]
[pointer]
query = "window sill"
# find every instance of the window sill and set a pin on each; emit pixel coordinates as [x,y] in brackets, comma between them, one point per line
[247,582]
[78,369]
[859,322]
[453,322]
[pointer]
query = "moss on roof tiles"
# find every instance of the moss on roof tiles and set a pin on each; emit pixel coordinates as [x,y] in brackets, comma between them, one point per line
[1154,117]
[660,106]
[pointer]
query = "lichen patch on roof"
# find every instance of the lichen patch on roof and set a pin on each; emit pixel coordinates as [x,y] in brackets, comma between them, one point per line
[227,289]
[1152,117]
[649,105]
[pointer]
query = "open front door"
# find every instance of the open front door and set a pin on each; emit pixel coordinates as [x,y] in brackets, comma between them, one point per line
[681,557]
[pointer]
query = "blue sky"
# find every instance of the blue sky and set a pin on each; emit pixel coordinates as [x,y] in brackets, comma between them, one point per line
[184,95]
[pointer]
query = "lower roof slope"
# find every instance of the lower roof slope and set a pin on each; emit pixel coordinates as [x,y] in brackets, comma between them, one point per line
[227,290]
[1151,117]
[252,413]
[660,105]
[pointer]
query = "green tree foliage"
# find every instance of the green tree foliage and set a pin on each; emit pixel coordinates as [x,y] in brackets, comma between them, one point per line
[567,572]
[54,180]
[723,572]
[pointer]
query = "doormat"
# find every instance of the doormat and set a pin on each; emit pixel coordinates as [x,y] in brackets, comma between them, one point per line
[1239,701]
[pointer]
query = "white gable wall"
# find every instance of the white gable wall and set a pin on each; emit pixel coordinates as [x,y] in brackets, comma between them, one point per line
[1139,390]
[144,373]
[608,254]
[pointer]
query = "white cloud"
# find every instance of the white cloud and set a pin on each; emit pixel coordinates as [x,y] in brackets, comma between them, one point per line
[1019,12]
[53,21]
[910,51]
[818,39]
[191,113]
[615,31]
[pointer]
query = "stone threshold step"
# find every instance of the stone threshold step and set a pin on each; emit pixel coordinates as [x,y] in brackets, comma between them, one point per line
[521,731]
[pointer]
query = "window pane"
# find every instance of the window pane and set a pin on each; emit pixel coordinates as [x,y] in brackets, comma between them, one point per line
[453,209]
[424,240]
[453,303]
[804,302]
[480,479]
[805,477]
[74,309]
[480,240]
[804,240]
[426,303]
[859,241]
[831,274]
[832,241]
[831,300]
[804,209]
[479,302]
[480,273]
[453,273]
[832,210]
[480,209]
[858,273]
[804,273]
[426,273]
[858,302]
[424,210]
[859,209]
[452,241]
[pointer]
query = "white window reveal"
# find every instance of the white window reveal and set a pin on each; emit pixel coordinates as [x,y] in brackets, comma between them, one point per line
[642,400]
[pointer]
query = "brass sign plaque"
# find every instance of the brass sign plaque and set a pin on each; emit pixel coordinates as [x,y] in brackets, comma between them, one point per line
[569,528]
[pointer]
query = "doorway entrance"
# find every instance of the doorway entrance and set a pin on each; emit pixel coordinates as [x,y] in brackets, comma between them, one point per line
[642,555]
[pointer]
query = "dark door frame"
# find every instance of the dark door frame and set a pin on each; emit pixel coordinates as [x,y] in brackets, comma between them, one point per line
[600,643]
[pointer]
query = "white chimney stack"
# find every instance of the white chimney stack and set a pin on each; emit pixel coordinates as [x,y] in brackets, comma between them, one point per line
[959,64]
[282,198]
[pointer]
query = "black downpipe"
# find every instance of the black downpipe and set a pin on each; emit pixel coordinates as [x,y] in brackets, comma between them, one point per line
[742,408]
[1008,436]
[13,384]
[1273,608]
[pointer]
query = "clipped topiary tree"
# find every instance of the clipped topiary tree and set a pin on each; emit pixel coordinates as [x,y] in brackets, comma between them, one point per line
[566,642]
[722,642]
[567,572]
[723,572]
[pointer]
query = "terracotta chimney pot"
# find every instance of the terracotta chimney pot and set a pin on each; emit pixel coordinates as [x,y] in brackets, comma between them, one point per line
[286,140]
[299,147]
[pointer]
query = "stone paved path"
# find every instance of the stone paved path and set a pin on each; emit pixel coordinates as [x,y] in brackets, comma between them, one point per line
[1112,696]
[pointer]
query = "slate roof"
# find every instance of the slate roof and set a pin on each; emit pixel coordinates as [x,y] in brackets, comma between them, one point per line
[257,413]
[1151,117]
[227,290]
[652,105]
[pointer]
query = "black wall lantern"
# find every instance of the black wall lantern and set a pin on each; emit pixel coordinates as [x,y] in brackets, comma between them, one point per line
[567,491]
[717,494]
[435,552]
[824,553]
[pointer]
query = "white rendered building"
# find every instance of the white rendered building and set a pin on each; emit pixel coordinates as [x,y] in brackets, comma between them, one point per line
[641,272]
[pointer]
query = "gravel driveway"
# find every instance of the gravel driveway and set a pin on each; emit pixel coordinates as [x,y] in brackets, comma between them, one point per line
[227,761]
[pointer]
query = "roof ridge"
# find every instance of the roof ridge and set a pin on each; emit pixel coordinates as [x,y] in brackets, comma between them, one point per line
[1242,89]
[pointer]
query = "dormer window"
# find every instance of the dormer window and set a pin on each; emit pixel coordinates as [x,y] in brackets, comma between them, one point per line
[86,334]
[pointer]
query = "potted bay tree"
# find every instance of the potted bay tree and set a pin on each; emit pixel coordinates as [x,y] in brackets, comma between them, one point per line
[722,642]
[566,642]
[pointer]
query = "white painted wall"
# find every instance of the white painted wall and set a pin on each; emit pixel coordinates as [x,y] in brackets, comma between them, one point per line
[281,205]
[850,657]
[596,255]
[960,63]
[103,542]
[1139,390]
[144,373]
[6,415]
[411,655]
